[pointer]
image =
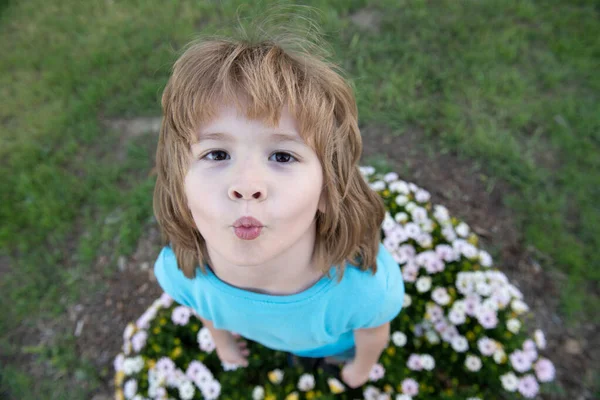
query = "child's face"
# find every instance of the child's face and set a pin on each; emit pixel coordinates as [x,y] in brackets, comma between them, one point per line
[278,183]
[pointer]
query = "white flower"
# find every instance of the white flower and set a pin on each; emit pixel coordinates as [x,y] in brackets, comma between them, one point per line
[457,317]
[510,382]
[401,217]
[371,393]
[390,177]
[138,397]
[499,356]
[403,397]
[412,230]
[211,390]
[130,388]
[181,315]
[133,365]
[513,325]
[540,339]
[460,344]
[367,170]
[399,339]
[276,376]
[485,259]
[473,398]
[258,393]
[401,199]
[440,295]
[205,340]
[473,363]
[423,284]
[432,337]
[306,382]
[407,301]
[462,229]
[138,341]
[519,306]
[486,346]
[186,390]
[377,185]
[441,213]
[483,289]
[129,330]
[427,362]
[118,363]
[520,361]
[377,372]
[422,196]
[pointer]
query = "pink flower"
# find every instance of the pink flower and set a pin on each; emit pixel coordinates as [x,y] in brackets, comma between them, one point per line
[528,386]
[181,315]
[410,273]
[138,341]
[488,319]
[435,313]
[414,362]
[377,372]
[544,370]
[520,361]
[410,387]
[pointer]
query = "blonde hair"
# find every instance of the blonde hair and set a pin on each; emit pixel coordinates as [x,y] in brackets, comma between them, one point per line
[269,71]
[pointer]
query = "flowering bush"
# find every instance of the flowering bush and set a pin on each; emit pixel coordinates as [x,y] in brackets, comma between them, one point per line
[460,334]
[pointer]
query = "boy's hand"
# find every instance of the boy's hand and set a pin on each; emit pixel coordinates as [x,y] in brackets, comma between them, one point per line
[232,350]
[355,375]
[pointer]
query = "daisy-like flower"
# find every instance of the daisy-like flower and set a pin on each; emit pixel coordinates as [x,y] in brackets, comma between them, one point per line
[377,185]
[473,398]
[186,390]
[403,397]
[390,177]
[485,259]
[499,356]
[407,301]
[519,306]
[138,341]
[205,340]
[194,369]
[483,289]
[510,382]
[540,339]
[440,295]
[487,318]
[165,366]
[414,362]
[462,229]
[128,332]
[119,361]
[528,386]
[133,365]
[427,362]
[276,376]
[410,274]
[473,363]
[399,187]
[377,372]
[434,312]
[143,322]
[367,170]
[371,393]
[258,393]
[165,300]
[460,344]
[130,388]
[399,338]
[486,346]
[432,338]
[544,370]
[513,325]
[457,317]
[519,361]
[419,215]
[401,199]
[423,284]
[422,196]
[335,386]
[306,382]
[401,217]
[181,315]
[410,387]
[472,304]
[530,350]
[211,390]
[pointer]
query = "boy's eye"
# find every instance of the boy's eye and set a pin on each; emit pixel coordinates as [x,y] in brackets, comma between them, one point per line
[281,157]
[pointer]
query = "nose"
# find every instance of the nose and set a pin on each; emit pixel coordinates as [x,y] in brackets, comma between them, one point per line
[248,190]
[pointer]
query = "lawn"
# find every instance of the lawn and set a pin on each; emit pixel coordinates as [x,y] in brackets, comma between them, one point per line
[508,85]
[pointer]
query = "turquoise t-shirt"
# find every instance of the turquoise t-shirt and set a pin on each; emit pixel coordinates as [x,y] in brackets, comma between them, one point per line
[317,322]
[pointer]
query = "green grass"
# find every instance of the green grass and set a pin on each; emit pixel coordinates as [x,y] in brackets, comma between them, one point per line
[507,84]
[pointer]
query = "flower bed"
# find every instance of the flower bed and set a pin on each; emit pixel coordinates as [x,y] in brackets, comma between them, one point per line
[460,334]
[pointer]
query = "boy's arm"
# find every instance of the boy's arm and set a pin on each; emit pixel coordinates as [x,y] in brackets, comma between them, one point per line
[370,343]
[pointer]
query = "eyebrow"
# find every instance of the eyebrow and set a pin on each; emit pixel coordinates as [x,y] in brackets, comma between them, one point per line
[277,137]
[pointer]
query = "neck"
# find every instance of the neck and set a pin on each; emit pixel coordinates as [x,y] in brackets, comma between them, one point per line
[290,272]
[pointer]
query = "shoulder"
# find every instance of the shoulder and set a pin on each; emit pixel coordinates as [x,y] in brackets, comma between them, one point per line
[387,274]
[171,279]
